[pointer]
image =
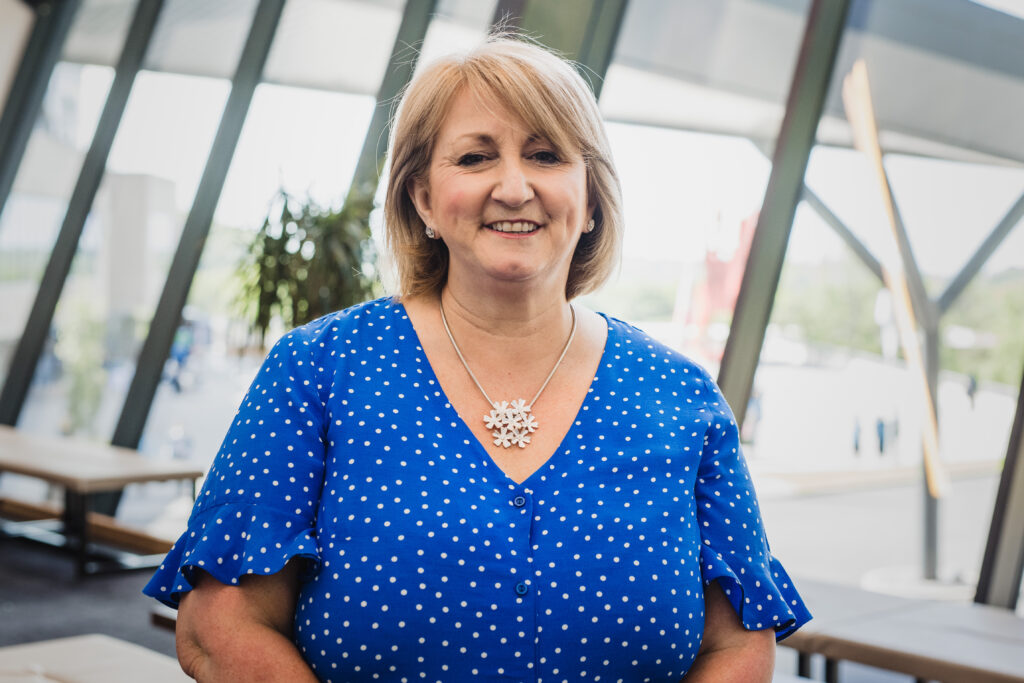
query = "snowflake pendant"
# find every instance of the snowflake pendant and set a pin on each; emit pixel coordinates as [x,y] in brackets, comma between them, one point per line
[511,423]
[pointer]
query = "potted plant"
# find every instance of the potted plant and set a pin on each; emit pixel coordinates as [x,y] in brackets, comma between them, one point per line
[306,261]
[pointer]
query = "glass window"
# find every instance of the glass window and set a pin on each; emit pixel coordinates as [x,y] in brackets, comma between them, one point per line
[334,45]
[687,110]
[836,410]
[34,211]
[119,270]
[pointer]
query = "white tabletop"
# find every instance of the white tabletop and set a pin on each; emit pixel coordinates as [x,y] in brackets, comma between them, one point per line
[86,659]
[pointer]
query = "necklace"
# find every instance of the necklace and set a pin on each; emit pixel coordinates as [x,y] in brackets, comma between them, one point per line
[511,422]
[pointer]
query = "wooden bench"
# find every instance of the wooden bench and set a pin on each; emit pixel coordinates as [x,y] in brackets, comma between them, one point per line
[82,470]
[87,659]
[929,640]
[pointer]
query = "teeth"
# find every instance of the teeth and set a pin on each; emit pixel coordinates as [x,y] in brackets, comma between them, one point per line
[509,226]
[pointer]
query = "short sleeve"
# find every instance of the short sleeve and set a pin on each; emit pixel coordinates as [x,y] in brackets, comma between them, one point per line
[734,549]
[257,508]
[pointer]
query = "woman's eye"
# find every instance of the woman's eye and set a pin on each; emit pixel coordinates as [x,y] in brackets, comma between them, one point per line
[470,159]
[545,157]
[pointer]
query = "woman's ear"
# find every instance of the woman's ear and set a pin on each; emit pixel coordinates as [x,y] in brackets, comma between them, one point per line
[419,193]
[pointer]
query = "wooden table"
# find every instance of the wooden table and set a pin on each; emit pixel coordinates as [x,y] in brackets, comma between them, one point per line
[82,470]
[87,659]
[926,639]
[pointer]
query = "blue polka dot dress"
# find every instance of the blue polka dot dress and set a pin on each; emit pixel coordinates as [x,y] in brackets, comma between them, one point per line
[427,563]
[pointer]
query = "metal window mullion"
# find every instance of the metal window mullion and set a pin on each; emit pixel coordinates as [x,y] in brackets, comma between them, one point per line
[593,48]
[600,39]
[508,14]
[167,316]
[1002,565]
[811,78]
[404,56]
[38,60]
[26,354]
[977,260]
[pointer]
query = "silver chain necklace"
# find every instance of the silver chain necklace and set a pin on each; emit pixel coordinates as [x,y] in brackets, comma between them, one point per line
[510,422]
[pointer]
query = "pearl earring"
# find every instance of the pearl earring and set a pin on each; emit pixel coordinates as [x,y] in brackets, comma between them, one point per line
[430,233]
[590,225]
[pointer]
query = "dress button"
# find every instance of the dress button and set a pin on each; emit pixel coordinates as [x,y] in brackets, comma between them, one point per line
[519,501]
[521,588]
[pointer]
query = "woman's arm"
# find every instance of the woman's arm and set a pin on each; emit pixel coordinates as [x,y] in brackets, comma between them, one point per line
[243,632]
[729,653]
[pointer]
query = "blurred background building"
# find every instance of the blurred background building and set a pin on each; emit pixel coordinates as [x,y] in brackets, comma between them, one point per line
[143,145]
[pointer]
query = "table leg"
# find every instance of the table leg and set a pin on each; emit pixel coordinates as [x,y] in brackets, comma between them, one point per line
[831,670]
[76,527]
[803,664]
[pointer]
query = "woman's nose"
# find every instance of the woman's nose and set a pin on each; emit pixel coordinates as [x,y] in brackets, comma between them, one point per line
[513,186]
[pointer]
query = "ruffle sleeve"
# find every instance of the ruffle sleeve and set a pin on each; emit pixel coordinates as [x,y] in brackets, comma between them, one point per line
[258,505]
[231,541]
[734,548]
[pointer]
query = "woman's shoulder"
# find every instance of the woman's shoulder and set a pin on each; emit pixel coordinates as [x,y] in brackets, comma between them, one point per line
[343,332]
[377,314]
[627,341]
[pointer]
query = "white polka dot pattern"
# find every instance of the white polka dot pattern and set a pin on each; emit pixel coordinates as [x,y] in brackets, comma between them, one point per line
[427,563]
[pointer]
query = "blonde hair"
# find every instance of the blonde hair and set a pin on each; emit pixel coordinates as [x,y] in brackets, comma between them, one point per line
[553,100]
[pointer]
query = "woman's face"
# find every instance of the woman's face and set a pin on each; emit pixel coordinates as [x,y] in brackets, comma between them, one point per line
[509,208]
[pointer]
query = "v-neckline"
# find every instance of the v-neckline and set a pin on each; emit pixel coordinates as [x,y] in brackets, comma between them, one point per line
[471,438]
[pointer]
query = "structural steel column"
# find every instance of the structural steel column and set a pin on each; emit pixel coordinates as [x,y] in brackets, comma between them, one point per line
[811,77]
[583,30]
[1003,563]
[404,56]
[42,51]
[930,513]
[167,317]
[26,354]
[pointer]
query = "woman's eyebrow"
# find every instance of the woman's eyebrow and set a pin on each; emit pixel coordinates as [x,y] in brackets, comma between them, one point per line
[484,138]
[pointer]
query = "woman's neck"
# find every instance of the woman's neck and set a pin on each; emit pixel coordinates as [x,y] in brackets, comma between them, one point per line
[507,311]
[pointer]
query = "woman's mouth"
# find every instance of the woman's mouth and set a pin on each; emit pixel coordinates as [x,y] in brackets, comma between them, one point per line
[516,227]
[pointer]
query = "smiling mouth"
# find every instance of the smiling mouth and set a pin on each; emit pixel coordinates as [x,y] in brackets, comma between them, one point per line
[517,227]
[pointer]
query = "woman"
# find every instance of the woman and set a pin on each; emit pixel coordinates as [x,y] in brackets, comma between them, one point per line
[480,479]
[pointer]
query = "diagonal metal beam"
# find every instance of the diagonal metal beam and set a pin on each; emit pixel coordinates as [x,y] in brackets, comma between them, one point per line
[833,221]
[977,260]
[807,92]
[42,51]
[845,234]
[1002,566]
[924,307]
[26,354]
[404,55]
[197,226]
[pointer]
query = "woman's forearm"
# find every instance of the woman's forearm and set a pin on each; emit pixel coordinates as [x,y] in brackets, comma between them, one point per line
[754,664]
[246,653]
[728,652]
[241,632]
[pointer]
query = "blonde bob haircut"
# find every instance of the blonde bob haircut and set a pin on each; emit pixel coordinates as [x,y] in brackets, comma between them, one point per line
[553,101]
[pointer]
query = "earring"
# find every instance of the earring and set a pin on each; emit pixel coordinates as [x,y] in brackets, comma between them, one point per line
[590,225]
[430,233]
